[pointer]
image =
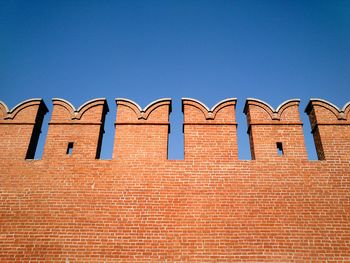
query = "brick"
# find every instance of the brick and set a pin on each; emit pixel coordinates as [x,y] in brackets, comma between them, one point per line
[142,133]
[81,129]
[210,134]
[330,128]
[20,128]
[273,130]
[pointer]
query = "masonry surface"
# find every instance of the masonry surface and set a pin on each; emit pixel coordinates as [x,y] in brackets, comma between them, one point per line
[140,207]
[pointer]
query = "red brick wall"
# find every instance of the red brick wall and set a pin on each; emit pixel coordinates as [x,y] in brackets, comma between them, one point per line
[143,207]
[142,134]
[19,128]
[267,127]
[80,127]
[331,130]
[210,135]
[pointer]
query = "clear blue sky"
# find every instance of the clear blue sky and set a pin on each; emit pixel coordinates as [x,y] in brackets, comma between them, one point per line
[145,50]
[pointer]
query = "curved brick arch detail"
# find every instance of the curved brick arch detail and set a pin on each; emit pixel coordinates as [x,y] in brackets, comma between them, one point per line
[340,114]
[3,109]
[66,105]
[11,114]
[346,110]
[76,114]
[146,111]
[209,114]
[275,114]
[88,105]
[285,105]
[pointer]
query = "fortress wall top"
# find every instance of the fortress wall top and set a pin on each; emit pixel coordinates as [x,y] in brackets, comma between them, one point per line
[89,112]
[75,133]
[142,133]
[22,113]
[330,128]
[210,134]
[20,128]
[275,134]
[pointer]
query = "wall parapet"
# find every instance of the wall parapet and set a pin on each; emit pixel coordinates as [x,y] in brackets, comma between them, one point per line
[275,133]
[210,134]
[20,128]
[330,127]
[142,132]
[76,133]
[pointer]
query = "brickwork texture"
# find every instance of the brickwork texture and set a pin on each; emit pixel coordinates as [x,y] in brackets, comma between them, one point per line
[71,206]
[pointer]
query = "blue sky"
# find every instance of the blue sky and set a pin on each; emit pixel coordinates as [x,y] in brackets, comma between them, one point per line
[146,50]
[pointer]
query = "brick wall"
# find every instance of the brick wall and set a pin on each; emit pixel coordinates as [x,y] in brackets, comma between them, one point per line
[139,206]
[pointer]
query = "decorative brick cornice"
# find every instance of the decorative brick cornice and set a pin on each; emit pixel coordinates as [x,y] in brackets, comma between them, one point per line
[143,113]
[76,114]
[10,114]
[210,113]
[340,114]
[275,114]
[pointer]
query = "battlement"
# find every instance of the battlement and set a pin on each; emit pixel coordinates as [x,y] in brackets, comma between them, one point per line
[275,131]
[210,134]
[141,207]
[75,133]
[20,128]
[330,128]
[142,133]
